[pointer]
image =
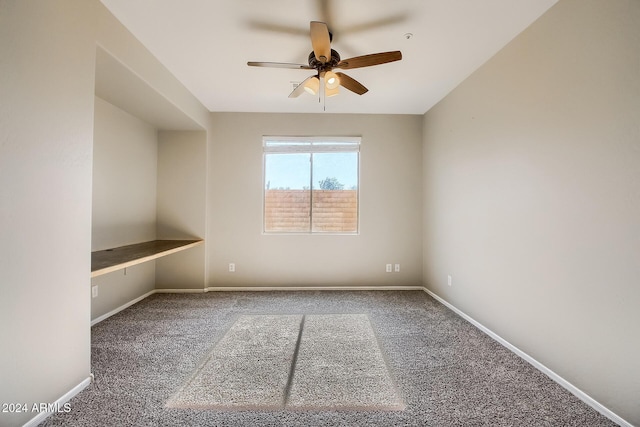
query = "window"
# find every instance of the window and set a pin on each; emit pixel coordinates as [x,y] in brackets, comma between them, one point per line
[311,184]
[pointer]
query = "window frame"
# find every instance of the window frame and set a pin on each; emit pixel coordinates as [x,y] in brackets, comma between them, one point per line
[310,145]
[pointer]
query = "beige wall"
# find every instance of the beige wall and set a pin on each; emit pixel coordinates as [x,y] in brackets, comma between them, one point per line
[46,141]
[125,158]
[46,129]
[181,207]
[532,197]
[390,205]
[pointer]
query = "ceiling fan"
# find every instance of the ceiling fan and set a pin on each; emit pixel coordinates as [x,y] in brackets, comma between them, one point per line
[324,60]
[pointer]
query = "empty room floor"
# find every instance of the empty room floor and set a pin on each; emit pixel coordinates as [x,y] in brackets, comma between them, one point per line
[444,371]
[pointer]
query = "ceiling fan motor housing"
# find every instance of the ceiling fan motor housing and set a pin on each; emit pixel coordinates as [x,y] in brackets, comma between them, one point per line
[313,62]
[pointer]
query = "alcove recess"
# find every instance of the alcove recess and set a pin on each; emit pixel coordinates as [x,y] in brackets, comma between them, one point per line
[149,178]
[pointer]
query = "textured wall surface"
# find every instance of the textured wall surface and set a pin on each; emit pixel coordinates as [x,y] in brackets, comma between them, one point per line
[46,145]
[532,197]
[390,209]
[46,133]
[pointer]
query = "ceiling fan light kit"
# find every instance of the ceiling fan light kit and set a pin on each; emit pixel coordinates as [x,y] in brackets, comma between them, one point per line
[332,81]
[323,59]
[312,85]
[331,92]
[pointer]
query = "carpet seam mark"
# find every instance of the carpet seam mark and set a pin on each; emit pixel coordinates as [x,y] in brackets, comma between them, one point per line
[203,362]
[294,361]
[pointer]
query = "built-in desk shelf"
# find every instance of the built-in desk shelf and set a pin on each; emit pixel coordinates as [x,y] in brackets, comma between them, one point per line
[108,260]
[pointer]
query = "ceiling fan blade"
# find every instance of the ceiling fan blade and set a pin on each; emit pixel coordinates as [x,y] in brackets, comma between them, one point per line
[352,84]
[372,25]
[325,9]
[300,88]
[279,65]
[369,60]
[320,41]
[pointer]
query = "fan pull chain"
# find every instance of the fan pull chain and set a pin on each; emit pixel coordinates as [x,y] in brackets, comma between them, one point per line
[324,95]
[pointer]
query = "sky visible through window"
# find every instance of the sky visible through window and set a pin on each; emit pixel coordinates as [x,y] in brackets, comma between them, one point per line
[291,170]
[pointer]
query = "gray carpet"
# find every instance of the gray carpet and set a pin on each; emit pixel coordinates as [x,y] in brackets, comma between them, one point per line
[248,369]
[323,362]
[448,372]
[340,366]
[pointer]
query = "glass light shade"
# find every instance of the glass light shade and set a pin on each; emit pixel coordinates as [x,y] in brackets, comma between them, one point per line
[332,80]
[312,85]
[331,92]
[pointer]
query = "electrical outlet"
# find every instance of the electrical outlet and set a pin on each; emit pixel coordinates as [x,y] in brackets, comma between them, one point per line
[449,280]
[232,267]
[94,291]
[397,268]
[389,268]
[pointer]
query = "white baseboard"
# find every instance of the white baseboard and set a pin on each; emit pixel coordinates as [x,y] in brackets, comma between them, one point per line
[180,291]
[542,368]
[58,403]
[122,307]
[311,288]
[141,297]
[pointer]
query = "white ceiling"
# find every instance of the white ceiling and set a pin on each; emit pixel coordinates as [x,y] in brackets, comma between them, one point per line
[206,44]
[118,85]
